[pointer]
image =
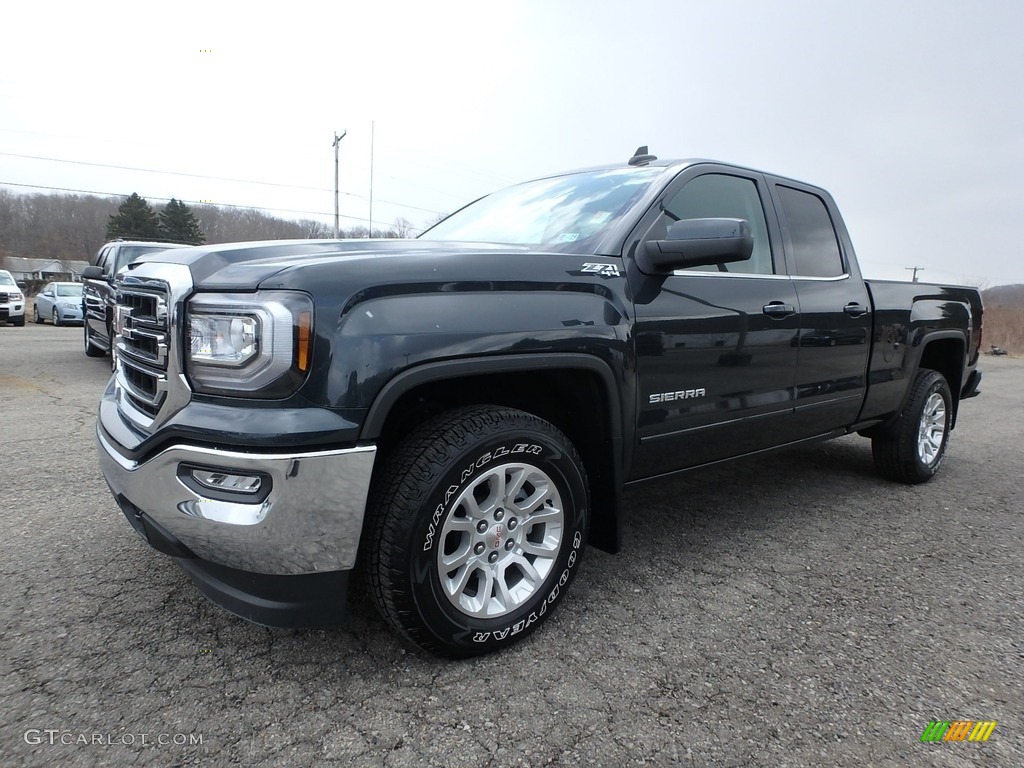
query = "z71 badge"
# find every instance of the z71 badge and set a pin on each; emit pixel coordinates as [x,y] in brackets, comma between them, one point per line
[605,270]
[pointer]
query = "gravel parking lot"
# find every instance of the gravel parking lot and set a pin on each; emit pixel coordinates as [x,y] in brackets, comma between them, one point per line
[790,611]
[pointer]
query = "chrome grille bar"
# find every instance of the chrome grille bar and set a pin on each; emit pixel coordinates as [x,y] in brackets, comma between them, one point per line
[142,384]
[149,383]
[147,346]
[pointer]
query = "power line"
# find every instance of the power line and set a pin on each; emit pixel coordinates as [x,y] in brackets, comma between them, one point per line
[960,277]
[210,178]
[478,175]
[192,202]
[466,172]
[167,173]
[435,190]
[103,139]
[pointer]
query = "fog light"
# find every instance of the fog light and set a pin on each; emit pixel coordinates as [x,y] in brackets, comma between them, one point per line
[222,481]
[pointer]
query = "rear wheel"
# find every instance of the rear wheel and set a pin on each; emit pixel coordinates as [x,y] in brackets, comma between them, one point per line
[38,317]
[912,449]
[477,526]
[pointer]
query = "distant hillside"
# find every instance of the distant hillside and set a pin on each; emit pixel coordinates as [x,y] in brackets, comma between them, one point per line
[1004,294]
[1004,318]
[73,227]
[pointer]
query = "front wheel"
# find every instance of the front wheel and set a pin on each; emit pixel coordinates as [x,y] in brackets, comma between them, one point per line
[912,449]
[91,350]
[477,527]
[56,317]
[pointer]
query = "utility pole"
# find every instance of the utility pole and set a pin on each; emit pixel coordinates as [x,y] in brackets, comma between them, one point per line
[337,141]
[915,271]
[371,178]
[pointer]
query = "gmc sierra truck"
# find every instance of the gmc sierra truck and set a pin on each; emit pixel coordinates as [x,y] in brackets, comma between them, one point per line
[456,417]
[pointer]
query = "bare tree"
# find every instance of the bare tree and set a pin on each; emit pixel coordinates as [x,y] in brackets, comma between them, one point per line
[316,230]
[402,227]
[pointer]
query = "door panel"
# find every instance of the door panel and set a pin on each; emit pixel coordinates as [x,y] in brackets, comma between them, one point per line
[835,309]
[833,358]
[94,300]
[716,371]
[716,345]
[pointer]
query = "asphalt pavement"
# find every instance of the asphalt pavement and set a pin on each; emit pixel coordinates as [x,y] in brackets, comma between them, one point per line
[794,610]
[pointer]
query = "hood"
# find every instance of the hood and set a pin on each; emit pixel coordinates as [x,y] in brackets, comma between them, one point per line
[242,266]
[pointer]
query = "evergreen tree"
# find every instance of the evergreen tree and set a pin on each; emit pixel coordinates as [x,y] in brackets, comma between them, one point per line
[134,220]
[178,223]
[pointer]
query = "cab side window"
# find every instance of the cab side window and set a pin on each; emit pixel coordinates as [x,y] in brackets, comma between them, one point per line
[102,261]
[809,234]
[716,195]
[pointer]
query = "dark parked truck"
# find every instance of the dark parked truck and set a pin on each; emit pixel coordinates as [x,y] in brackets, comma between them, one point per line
[457,416]
[98,291]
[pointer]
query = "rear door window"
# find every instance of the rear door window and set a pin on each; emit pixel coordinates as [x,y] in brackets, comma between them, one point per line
[810,234]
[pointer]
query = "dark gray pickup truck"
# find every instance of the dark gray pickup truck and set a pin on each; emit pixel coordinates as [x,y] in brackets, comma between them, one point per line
[458,416]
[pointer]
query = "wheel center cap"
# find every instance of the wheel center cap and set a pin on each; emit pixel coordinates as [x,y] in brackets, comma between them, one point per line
[499,536]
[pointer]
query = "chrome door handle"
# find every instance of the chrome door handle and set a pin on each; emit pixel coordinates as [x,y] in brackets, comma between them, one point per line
[777,309]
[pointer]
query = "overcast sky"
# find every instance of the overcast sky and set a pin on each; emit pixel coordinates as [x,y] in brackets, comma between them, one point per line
[910,114]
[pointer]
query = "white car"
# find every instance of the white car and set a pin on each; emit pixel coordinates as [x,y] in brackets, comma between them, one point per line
[59,302]
[12,300]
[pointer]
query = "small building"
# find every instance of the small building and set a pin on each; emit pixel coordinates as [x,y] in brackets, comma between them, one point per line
[24,269]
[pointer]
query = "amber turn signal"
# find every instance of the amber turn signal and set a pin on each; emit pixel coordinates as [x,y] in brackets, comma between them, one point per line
[302,353]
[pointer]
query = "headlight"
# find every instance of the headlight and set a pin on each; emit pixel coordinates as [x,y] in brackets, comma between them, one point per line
[257,344]
[224,340]
[68,306]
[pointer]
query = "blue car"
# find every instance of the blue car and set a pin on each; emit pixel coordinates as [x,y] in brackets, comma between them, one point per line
[60,302]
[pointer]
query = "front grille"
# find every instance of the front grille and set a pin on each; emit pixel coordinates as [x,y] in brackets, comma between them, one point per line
[142,324]
[4,297]
[149,386]
[142,343]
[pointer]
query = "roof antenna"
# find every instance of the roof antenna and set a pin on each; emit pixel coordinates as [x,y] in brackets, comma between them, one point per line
[641,156]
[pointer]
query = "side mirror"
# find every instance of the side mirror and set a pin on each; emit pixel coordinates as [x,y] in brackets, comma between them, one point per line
[93,273]
[696,242]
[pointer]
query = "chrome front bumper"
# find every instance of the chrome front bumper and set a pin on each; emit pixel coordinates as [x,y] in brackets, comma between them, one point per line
[307,517]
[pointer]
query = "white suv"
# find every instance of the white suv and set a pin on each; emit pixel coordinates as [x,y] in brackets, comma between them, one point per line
[12,300]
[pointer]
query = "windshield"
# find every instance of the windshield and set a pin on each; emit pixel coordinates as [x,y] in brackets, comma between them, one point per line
[566,213]
[130,253]
[6,279]
[69,290]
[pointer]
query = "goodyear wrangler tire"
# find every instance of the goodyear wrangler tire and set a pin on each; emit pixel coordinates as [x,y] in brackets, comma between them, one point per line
[911,450]
[477,528]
